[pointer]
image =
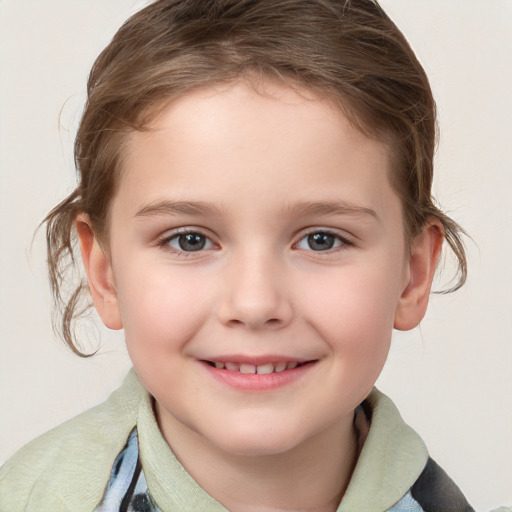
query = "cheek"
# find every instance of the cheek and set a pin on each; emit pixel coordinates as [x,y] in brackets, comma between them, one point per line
[161,315]
[354,316]
[161,309]
[354,308]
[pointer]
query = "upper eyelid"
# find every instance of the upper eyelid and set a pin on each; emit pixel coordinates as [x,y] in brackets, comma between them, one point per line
[167,236]
[171,233]
[346,243]
[347,238]
[344,236]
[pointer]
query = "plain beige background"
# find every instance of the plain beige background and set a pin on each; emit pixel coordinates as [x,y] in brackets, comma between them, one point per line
[451,378]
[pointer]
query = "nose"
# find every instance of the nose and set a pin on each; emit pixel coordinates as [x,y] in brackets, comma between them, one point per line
[255,294]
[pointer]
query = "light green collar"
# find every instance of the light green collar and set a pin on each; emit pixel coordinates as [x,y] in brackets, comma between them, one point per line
[391,460]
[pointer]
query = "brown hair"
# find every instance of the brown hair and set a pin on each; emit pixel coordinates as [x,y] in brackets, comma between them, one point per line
[347,49]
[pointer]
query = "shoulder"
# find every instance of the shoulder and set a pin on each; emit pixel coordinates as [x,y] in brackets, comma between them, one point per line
[68,467]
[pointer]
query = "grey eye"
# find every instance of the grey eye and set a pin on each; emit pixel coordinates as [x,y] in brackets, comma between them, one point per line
[320,241]
[190,242]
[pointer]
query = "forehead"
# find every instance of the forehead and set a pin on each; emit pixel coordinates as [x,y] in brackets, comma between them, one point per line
[253,138]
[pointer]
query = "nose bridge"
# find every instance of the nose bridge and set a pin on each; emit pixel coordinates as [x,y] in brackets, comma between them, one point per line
[256,295]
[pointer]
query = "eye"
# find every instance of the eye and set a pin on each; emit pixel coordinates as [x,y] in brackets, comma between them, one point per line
[190,241]
[321,241]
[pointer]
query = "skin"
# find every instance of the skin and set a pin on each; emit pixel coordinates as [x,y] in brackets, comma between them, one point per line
[263,171]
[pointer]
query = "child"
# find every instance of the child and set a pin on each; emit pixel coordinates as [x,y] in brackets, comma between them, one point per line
[255,211]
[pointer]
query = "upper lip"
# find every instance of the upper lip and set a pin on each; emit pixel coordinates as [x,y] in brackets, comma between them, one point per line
[256,360]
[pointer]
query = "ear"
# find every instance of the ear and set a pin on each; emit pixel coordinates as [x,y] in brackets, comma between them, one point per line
[424,256]
[99,274]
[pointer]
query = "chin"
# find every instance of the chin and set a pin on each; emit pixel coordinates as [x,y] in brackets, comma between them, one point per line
[258,449]
[258,442]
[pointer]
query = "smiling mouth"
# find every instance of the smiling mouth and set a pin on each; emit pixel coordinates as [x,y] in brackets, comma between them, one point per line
[262,369]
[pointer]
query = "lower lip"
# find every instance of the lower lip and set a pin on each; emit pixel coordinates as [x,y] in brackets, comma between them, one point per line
[258,381]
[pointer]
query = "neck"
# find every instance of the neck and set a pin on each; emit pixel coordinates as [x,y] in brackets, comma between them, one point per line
[311,477]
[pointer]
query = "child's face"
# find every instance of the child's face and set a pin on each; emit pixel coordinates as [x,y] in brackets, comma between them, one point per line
[257,230]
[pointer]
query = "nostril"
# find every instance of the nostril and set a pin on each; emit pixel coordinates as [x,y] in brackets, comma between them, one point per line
[235,322]
[255,313]
[270,323]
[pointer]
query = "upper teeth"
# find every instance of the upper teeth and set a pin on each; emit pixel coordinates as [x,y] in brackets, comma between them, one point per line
[252,368]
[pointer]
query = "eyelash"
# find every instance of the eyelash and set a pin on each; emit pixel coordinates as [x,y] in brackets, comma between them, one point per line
[343,241]
[165,242]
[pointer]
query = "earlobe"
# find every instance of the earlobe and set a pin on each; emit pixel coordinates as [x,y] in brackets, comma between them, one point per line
[424,256]
[99,274]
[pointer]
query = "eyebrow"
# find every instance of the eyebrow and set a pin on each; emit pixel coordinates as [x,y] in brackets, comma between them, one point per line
[302,208]
[329,208]
[194,208]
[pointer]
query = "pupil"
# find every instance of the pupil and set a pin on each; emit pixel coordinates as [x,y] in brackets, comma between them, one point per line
[321,241]
[191,242]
